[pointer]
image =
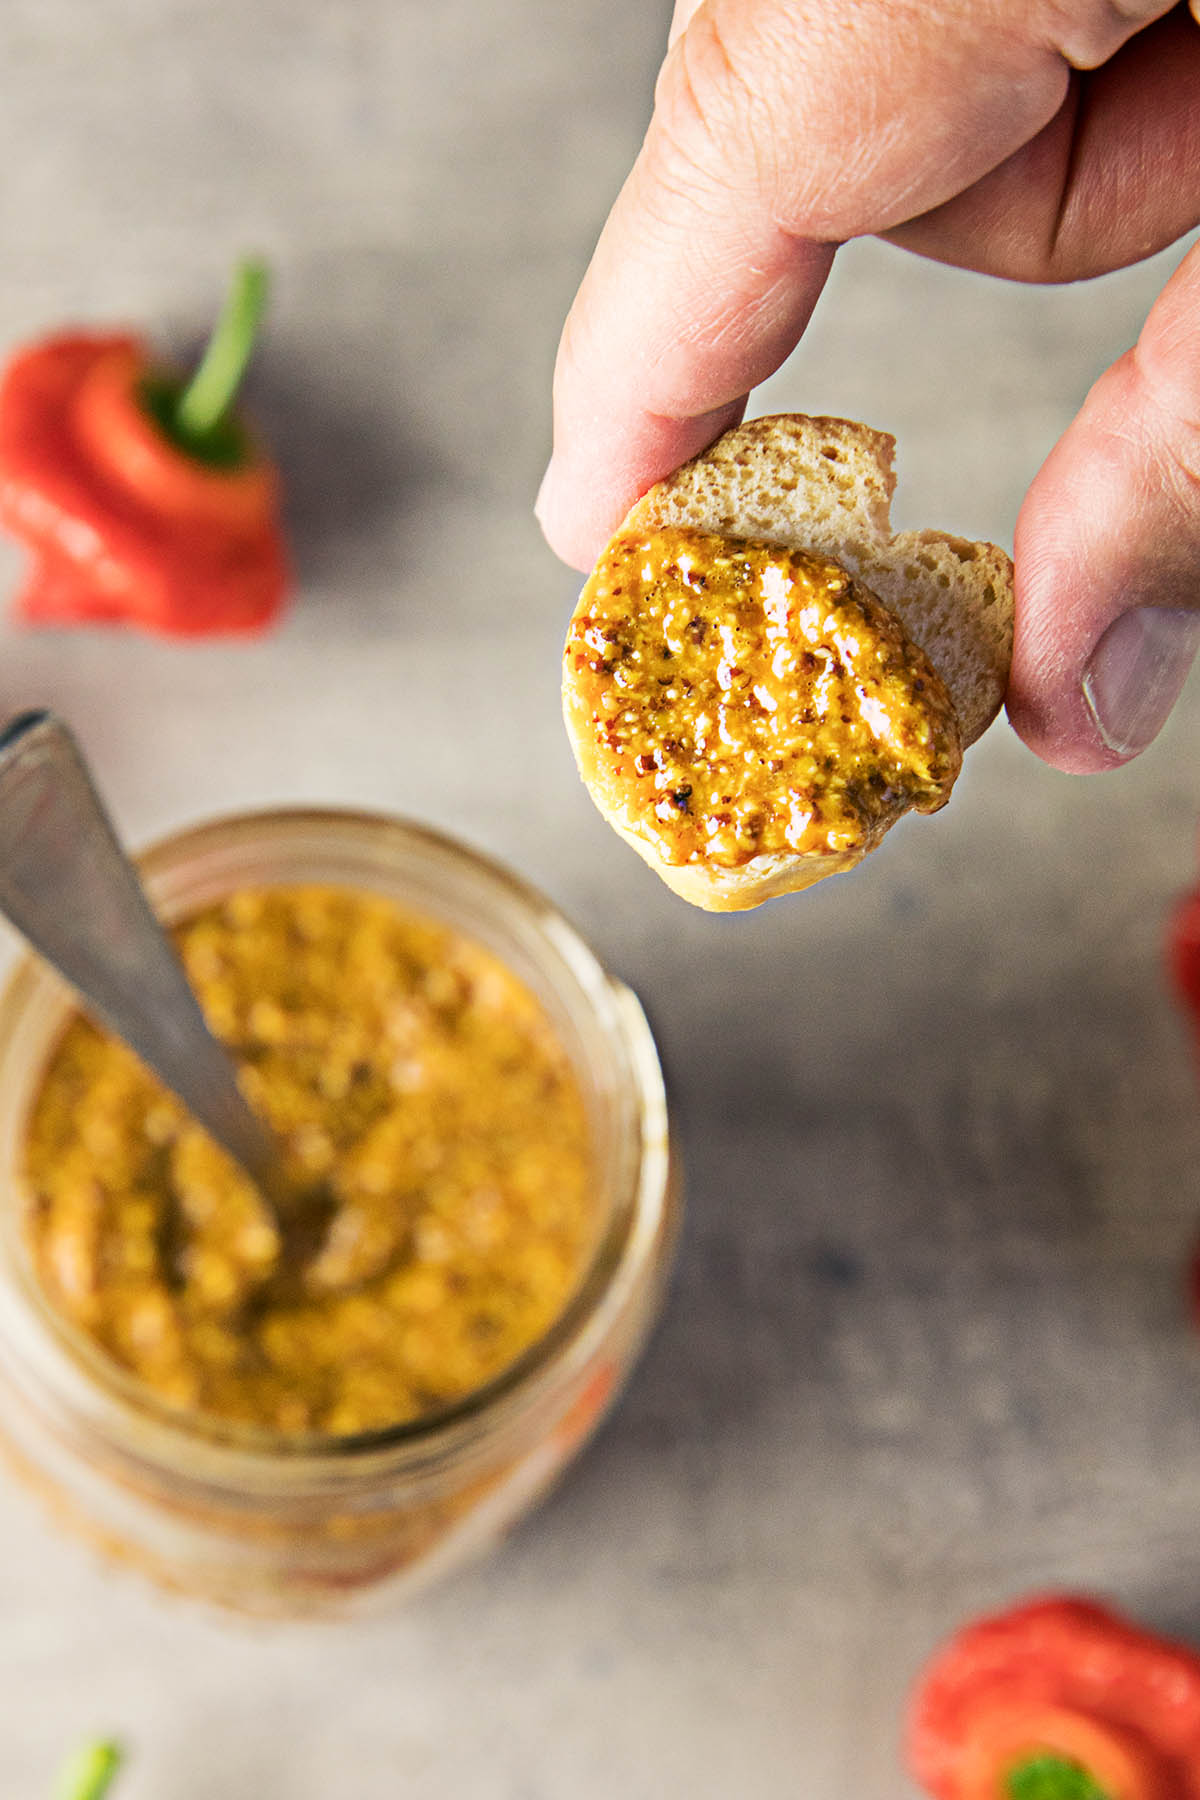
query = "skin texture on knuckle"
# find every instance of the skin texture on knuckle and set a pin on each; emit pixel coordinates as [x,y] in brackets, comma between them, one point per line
[771,102]
[722,112]
[844,120]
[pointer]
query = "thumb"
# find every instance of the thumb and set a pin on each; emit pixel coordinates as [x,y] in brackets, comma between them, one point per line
[1107,553]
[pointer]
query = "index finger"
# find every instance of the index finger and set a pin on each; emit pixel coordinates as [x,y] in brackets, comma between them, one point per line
[778,131]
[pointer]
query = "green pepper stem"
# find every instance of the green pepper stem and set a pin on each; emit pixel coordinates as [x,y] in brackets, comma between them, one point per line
[210,393]
[1048,1777]
[87,1774]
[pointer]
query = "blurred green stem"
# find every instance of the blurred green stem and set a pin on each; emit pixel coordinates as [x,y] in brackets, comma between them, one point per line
[87,1774]
[212,390]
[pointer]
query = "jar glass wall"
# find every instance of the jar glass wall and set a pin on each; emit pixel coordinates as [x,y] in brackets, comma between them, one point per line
[282,1525]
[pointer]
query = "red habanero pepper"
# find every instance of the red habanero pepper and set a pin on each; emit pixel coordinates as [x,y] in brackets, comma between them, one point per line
[1183,961]
[143,499]
[1057,1698]
[1184,953]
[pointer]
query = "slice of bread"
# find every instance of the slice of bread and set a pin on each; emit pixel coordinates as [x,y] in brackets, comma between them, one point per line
[825,486]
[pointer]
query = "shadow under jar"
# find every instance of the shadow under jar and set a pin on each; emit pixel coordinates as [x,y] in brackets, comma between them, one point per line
[275,1524]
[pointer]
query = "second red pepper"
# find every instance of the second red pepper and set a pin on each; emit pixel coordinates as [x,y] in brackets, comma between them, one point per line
[1058,1696]
[1184,953]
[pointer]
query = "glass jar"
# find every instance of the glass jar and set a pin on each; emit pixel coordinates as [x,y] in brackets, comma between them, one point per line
[272,1525]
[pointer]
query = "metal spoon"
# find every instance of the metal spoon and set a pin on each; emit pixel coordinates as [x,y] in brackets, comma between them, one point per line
[67,886]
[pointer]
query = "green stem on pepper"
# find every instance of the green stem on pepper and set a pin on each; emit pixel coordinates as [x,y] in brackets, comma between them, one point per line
[1047,1777]
[205,402]
[87,1774]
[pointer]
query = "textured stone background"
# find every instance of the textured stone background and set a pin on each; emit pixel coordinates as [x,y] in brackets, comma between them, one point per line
[926,1345]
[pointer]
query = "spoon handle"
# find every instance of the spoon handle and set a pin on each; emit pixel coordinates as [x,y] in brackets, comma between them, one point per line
[68,887]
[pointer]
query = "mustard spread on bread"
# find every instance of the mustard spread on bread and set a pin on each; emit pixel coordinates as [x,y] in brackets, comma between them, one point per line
[745,698]
[761,676]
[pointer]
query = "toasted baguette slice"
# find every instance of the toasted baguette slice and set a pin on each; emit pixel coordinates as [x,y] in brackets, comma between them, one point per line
[825,486]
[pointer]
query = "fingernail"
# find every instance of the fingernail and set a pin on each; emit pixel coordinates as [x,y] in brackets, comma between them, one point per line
[1136,673]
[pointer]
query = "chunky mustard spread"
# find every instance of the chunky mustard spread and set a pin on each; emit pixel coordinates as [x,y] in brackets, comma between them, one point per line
[745,699]
[409,1076]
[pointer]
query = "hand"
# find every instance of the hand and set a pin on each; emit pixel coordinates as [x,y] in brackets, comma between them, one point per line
[1039,141]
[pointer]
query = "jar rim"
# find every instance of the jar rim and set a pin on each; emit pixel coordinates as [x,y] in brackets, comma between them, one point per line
[150,1427]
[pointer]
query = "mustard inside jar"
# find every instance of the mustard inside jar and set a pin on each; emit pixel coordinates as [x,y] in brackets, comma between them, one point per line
[444,1058]
[406,1072]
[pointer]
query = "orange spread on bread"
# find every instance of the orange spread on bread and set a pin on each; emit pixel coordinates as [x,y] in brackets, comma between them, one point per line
[743,698]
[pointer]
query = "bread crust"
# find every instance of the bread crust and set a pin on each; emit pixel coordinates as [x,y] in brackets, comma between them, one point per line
[823,485]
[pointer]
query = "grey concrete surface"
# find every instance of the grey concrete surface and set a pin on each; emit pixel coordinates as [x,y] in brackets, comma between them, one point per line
[926,1347]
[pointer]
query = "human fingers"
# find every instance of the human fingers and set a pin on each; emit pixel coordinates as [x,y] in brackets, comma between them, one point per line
[775,135]
[1112,178]
[1108,552]
[780,128]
